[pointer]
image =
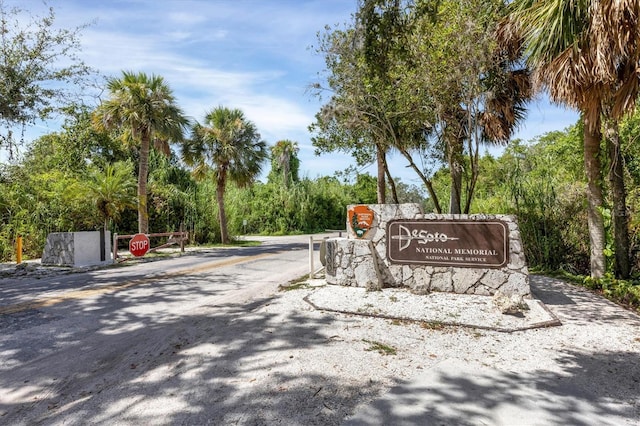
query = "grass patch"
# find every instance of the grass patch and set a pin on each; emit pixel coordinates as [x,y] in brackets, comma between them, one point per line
[381,348]
[236,243]
[156,255]
[368,309]
[431,325]
[298,284]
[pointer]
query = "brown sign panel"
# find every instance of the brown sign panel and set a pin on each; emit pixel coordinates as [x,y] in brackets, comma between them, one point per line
[469,244]
[360,220]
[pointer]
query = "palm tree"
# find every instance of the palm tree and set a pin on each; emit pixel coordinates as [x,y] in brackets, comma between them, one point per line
[285,160]
[228,147]
[112,189]
[585,54]
[144,110]
[506,88]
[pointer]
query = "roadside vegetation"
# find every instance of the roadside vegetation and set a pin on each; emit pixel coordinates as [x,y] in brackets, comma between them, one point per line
[438,83]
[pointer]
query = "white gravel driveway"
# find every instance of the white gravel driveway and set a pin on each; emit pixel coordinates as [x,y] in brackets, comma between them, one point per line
[277,360]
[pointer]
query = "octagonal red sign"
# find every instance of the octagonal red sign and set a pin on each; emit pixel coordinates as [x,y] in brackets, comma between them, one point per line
[139,245]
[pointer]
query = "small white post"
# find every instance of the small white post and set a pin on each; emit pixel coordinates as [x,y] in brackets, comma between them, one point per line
[115,247]
[311,274]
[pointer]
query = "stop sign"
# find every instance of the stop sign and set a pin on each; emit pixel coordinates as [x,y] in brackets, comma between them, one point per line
[139,245]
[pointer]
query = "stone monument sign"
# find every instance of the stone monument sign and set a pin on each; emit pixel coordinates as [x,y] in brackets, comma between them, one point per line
[473,254]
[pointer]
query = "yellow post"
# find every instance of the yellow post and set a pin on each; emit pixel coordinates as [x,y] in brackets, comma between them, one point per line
[19,250]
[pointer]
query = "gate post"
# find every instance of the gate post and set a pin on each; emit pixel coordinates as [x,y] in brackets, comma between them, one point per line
[19,250]
[311,272]
[115,247]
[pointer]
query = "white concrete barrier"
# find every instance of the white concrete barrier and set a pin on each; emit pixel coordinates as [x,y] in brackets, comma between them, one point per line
[77,249]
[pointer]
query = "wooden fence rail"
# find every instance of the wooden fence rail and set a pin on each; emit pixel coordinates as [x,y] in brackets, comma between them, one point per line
[174,238]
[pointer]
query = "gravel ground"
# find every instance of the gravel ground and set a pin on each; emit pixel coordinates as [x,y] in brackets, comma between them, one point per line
[436,309]
[280,360]
[349,359]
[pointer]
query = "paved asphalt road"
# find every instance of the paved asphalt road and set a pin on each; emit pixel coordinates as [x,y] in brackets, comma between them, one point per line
[67,339]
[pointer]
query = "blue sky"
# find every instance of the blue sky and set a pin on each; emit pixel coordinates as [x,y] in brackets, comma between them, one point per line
[255,55]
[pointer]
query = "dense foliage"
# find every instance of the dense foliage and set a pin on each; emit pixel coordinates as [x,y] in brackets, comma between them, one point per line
[65,182]
[541,182]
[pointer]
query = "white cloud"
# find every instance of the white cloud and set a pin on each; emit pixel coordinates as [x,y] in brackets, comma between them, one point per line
[277,117]
[186,18]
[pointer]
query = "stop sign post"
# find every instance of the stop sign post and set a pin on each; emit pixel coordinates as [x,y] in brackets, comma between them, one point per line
[139,245]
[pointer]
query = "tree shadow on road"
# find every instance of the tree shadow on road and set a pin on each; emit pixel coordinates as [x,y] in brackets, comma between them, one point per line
[577,304]
[220,364]
[134,359]
[592,388]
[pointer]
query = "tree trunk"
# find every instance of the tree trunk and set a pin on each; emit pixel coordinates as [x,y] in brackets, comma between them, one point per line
[392,183]
[381,187]
[427,182]
[285,160]
[592,166]
[473,179]
[220,186]
[454,154]
[143,172]
[619,196]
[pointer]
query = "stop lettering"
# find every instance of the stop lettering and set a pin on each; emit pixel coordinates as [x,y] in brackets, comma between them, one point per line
[139,245]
